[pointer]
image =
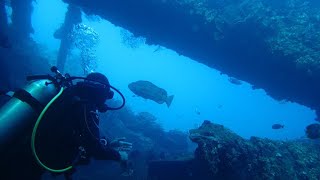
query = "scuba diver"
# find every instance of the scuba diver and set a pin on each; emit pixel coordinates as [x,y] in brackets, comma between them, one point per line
[59,118]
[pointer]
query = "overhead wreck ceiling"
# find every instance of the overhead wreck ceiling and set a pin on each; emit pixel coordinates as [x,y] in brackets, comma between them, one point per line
[267,43]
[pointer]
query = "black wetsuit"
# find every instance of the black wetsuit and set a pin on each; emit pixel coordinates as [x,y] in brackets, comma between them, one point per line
[69,125]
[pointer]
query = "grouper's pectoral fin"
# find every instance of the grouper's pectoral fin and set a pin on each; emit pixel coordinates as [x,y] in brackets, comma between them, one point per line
[169,100]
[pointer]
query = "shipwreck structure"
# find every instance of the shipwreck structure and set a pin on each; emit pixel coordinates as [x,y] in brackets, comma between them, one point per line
[267,43]
[272,45]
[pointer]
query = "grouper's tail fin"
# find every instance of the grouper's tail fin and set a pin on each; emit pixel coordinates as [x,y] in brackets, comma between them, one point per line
[169,100]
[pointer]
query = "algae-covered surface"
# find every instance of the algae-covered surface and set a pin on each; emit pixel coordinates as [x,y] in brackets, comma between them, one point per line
[230,156]
[289,27]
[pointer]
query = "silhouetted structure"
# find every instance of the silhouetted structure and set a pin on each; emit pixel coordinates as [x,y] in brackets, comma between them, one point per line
[73,17]
[173,170]
[21,27]
[241,42]
[3,19]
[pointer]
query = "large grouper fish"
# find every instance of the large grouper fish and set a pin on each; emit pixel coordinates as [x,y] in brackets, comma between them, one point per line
[148,90]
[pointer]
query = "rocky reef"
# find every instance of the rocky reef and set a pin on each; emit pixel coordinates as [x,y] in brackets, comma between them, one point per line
[150,141]
[145,132]
[229,156]
[288,27]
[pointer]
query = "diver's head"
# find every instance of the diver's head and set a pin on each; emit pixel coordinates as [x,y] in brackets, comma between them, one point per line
[98,77]
[100,91]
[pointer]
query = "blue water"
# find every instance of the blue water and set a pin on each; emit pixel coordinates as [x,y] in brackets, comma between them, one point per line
[200,92]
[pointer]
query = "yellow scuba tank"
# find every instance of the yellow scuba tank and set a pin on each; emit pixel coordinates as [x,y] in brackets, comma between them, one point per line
[18,115]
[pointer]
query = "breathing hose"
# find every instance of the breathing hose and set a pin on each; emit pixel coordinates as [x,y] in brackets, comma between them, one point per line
[107,85]
[34,132]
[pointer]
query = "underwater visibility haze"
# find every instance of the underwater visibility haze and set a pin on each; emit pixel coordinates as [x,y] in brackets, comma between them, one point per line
[213,89]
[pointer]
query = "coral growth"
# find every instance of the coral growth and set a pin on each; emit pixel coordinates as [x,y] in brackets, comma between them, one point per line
[230,156]
[289,27]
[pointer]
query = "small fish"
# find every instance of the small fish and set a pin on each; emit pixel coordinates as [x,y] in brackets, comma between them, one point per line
[234,81]
[277,126]
[157,49]
[148,90]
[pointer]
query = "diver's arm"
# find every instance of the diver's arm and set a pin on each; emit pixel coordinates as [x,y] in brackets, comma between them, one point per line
[99,147]
[111,150]
[102,152]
